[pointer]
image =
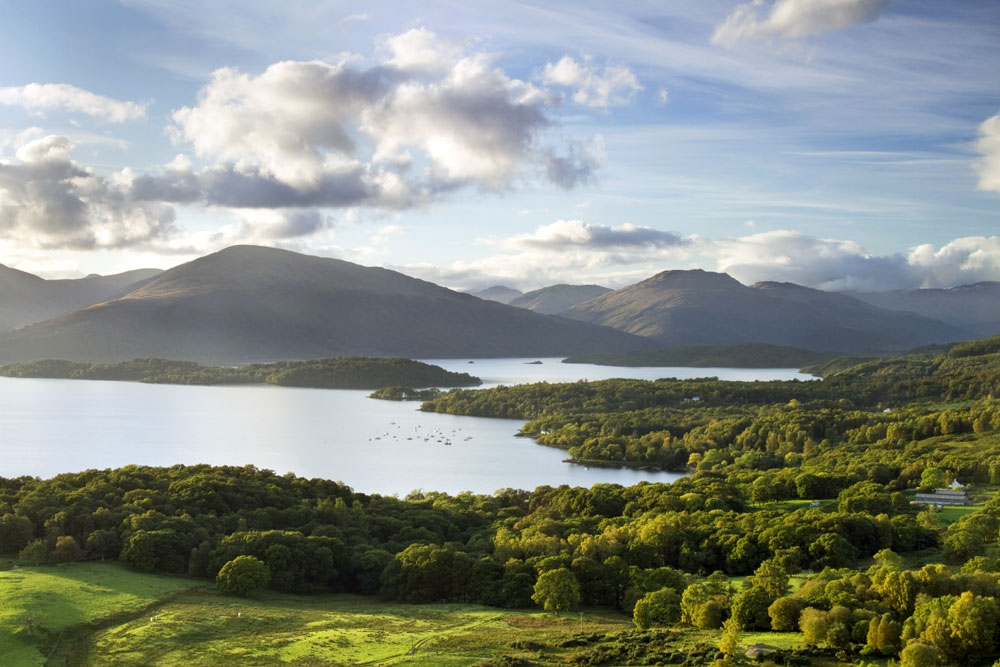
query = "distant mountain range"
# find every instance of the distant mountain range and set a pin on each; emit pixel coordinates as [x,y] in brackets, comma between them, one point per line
[26,298]
[556,299]
[250,303]
[974,308]
[498,293]
[698,307]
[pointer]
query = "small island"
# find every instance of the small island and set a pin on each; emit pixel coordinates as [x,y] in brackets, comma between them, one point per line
[331,373]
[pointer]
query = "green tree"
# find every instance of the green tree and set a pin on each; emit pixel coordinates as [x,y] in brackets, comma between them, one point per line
[709,615]
[784,613]
[750,608]
[557,590]
[729,644]
[772,577]
[243,575]
[814,626]
[66,550]
[36,552]
[919,654]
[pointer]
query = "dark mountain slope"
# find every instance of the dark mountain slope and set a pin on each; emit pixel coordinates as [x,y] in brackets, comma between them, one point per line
[703,308]
[249,303]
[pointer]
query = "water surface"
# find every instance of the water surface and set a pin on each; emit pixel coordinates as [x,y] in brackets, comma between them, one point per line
[53,426]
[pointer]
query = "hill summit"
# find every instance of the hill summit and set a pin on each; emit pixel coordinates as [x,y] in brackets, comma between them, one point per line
[250,303]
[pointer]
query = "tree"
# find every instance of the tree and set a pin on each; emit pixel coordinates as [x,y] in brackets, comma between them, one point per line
[36,552]
[243,575]
[708,616]
[750,609]
[919,654]
[66,550]
[557,590]
[814,626]
[772,577]
[729,644]
[785,612]
[662,606]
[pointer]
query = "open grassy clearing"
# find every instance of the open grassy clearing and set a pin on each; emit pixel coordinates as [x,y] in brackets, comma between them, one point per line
[38,603]
[203,628]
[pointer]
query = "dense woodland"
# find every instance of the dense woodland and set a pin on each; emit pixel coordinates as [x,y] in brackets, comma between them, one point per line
[333,373]
[786,477]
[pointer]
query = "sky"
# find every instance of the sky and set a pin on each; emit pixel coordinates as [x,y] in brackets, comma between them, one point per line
[839,144]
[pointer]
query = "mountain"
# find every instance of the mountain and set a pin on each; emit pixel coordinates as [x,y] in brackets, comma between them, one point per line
[25,298]
[555,299]
[249,303]
[975,308]
[702,308]
[498,293]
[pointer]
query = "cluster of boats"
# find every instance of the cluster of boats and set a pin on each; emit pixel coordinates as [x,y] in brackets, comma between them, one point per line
[434,435]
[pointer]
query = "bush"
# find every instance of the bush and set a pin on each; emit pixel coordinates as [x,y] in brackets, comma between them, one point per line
[243,575]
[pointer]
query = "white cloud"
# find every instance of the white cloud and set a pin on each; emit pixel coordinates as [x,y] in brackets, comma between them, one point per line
[49,201]
[427,120]
[833,264]
[64,97]
[593,86]
[988,145]
[752,21]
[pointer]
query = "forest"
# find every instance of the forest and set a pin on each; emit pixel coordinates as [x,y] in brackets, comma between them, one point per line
[332,373]
[796,515]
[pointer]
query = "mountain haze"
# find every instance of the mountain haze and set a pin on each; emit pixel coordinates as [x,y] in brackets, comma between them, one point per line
[555,299]
[703,308]
[249,303]
[498,293]
[975,308]
[26,298]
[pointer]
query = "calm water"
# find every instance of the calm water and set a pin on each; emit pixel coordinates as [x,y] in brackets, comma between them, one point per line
[53,426]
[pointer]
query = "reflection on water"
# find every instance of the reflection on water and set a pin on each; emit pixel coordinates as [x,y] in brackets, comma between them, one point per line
[53,426]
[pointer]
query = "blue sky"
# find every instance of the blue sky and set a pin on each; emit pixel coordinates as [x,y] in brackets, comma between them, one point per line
[842,144]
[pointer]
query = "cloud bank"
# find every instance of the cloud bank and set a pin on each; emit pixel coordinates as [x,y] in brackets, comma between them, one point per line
[573,251]
[756,21]
[49,201]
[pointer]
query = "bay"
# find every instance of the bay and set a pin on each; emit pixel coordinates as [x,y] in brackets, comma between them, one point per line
[53,426]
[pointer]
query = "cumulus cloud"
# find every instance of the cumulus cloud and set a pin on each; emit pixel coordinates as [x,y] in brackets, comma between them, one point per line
[49,201]
[592,86]
[988,146]
[838,265]
[64,97]
[758,21]
[429,118]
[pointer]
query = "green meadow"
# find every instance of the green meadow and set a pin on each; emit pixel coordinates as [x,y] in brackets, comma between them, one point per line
[39,604]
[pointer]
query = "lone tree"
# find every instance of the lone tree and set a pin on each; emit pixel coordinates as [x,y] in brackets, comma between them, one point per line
[557,590]
[243,575]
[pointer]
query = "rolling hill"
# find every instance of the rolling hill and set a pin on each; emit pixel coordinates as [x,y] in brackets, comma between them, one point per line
[698,307]
[25,298]
[249,303]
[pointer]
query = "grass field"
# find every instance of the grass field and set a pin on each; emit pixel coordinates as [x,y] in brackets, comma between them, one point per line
[38,603]
[104,614]
[203,628]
